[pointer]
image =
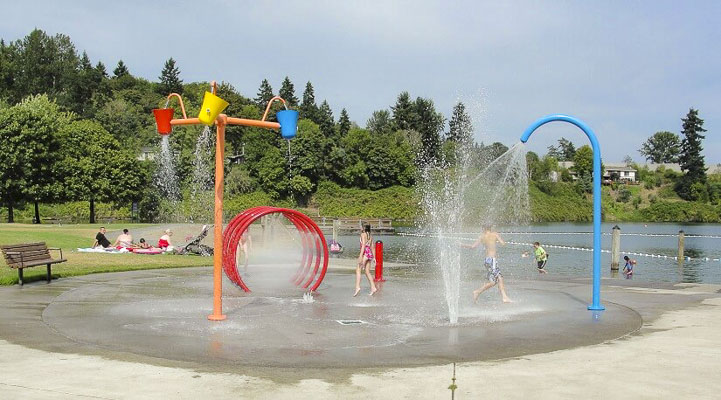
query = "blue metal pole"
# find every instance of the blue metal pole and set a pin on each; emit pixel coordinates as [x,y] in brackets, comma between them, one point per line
[596,300]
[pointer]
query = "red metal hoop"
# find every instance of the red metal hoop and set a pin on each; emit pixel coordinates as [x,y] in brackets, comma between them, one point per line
[312,238]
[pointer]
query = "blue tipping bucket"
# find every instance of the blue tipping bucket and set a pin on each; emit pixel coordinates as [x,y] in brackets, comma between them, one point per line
[288,120]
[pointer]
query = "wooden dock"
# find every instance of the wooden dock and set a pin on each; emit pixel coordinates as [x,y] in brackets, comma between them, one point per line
[340,226]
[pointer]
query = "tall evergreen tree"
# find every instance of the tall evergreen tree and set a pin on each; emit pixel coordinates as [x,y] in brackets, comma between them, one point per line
[86,82]
[567,149]
[308,108]
[170,81]
[343,123]
[45,64]
[691,159]
[430,125]
[460,128]
[100,68]
[120,70]
[287,92]
[327,123]
[7,70]
[404,114]
[265,93]
[380,122]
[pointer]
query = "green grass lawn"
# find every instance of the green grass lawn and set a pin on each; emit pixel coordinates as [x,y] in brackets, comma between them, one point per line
[69,238]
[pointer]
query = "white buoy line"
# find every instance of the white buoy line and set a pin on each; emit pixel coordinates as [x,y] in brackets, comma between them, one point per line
[553,246]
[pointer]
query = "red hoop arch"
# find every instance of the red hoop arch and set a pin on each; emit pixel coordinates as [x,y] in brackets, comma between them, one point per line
[312,238]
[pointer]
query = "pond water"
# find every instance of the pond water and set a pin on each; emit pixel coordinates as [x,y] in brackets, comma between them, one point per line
[573,263]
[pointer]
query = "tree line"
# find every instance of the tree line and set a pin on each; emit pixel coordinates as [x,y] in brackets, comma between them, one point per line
[72,131]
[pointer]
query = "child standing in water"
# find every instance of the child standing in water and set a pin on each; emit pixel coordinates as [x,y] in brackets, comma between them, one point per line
[628,268]
[364,260]
[488,239]
[541,257]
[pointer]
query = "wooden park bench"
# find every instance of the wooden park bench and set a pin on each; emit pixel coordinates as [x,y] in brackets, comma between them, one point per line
[27,255]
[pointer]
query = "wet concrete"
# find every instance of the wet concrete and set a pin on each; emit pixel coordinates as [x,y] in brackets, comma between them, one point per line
[161,315]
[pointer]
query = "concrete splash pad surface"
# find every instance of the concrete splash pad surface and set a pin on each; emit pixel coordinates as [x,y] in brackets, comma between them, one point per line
[162,314]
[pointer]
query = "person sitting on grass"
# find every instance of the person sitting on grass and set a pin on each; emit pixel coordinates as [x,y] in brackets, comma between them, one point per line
[100,239]
[143,244]
[124,240]
[164,242]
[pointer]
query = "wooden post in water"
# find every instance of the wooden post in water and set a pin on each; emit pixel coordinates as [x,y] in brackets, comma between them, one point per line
[615,248]
[680,247]
[336,227]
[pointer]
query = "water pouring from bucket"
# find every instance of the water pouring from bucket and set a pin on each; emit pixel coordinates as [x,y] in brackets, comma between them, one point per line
[288,120]
[163,116]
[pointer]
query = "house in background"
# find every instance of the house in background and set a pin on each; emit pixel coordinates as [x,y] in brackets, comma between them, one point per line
[147,153]
[611,172]
[619,173]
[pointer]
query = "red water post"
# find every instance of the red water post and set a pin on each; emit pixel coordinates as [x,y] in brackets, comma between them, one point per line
[379,262]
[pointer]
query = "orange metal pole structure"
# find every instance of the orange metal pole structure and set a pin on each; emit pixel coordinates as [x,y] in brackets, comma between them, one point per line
[220,122]
[217,314]
[180,99]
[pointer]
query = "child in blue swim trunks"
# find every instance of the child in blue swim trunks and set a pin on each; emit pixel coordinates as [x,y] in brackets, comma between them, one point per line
[488,239]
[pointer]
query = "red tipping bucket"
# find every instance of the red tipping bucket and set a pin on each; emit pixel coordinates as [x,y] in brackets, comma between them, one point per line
[162,120]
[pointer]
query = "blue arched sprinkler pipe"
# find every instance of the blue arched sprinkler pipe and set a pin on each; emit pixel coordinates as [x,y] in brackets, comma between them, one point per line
[596,303]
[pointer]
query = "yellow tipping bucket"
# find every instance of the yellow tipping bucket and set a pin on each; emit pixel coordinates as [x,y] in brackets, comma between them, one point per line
[212,107]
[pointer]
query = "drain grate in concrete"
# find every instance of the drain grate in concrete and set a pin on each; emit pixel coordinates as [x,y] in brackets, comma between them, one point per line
[350,321]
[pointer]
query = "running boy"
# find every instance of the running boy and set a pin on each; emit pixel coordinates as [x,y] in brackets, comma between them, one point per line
[541,257]
[488,239]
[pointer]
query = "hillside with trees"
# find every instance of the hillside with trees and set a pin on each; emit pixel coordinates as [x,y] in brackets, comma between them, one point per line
[73,136]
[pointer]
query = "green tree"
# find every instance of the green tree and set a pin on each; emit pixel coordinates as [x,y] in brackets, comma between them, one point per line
[460,128]
[309,148]
[430,125]
[532,162]
[495,150]
[344,124]
[326,121]
[583,161]
[96,168]
[239,181]
[544,168]
[308,108]
[101,70]
[45,64]
[301,188]
[88,81]
[380,122]
[662,147]
[404,113]
[8,53]
[287,92]
[28,152]
[265,93]
[120,70]
[127,122]
[690,158]
[170,81]
[565,151]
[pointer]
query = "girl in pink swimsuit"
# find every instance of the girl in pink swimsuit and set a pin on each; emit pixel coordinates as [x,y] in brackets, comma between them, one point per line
[364,260]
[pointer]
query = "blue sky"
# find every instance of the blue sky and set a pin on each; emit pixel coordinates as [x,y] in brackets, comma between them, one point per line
[627,68]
